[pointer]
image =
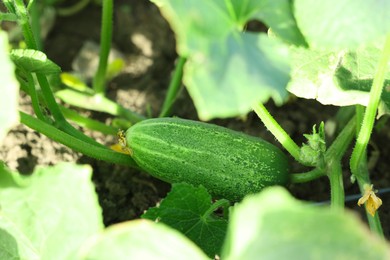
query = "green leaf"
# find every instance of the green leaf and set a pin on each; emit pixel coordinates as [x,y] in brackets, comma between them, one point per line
[189,210]
[227,78]
[227,69]
[191,21]
[9,87]
[52,212]
[337,24]
[13,243]
[33,61]
[285,228]
[140,239]
[276,14]
[337,78]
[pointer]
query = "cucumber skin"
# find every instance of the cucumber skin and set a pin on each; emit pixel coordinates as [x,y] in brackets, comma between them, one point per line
[227,163]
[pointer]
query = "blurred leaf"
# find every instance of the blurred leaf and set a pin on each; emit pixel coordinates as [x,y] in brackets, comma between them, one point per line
[34,61]
[140,239]
[227,69]
[50,213]
[13,243]
[226,81]
[338,24]
[9,88]
[187,209]
[75,82]
[114,68]
[276,14]
[337,78]
[285,228]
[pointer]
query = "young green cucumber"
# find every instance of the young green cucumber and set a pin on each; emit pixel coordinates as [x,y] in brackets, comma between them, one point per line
[227,163]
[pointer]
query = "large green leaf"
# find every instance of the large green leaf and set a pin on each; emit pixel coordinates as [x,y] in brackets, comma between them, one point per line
[276,14]
[337,24]
[13,242]
[274,225]
[337,78]
[232,74]
[140,239]
[187,209]
[229,70]
[49,214]
[9,88]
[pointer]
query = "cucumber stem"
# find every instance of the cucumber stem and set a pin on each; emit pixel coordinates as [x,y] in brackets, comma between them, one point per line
[363,179]
[279,133]
[99,152]
[307,176]
[218,204]
[371,110]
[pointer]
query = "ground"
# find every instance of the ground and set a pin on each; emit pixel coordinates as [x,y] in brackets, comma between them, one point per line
[147,44]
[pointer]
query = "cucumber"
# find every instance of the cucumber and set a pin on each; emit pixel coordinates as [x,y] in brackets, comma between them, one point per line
[227,163]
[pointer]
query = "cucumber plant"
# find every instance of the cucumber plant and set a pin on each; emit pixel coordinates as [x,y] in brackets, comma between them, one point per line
[228,72]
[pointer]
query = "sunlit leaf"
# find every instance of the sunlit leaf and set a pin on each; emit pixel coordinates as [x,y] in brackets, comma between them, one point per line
[50,213]
[274,225]
[337,78]
[9,87]
[339,24]
[140,239]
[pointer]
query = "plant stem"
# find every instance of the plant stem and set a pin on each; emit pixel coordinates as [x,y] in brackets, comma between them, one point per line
[337,196]
[105,45]
[88,122]
[97,152]
[59,118]
[371,110]
[77,7]
[97,102]
[173,88]
[31,44]
[36,24]
[363,177]
[279,133]
[307,176]
[333,160]
[337,150]
[215,206]
[359,111]
[34,97]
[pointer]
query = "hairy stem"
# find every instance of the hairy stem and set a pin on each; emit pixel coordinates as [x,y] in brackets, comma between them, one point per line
[363,178]
[279,133]
[371,110]
[307,176]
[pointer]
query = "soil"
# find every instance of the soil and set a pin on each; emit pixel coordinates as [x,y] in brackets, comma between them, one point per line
[147,44]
